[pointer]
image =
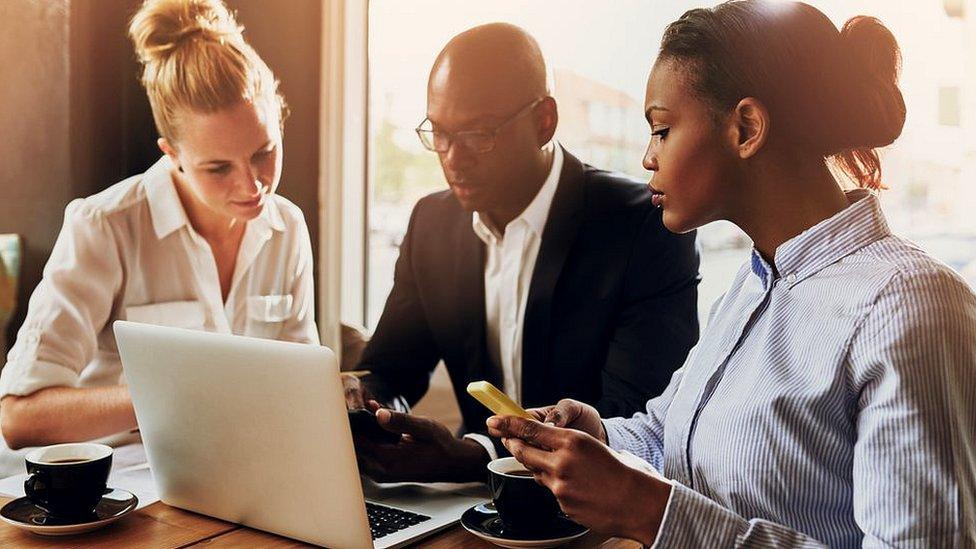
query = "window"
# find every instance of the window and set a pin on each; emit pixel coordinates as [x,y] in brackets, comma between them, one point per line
[600,54]
[949,113]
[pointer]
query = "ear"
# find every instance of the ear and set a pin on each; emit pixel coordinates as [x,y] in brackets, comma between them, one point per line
[750,127]
[547,116]
[169,150]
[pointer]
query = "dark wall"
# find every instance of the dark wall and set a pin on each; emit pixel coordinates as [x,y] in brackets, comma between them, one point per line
[35,182]
[287,35]
[76,119]
[112,131]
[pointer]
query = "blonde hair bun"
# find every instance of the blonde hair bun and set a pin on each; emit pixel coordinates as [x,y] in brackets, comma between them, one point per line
[195,59]
[162,26]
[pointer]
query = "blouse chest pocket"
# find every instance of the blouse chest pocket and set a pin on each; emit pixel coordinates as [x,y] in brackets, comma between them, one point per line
[174,314]
[266,313]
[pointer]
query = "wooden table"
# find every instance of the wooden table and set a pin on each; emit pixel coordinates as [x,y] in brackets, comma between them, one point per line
[159,525]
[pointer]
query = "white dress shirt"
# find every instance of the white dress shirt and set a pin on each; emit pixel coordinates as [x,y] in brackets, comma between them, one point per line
[130,252]
[509,264]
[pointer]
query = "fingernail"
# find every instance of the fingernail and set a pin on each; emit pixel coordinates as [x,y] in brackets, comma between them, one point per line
[492,422]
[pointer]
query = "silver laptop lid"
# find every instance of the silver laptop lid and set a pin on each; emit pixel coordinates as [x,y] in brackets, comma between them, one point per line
[248,430]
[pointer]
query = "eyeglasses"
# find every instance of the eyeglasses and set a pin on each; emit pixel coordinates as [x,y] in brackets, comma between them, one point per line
[479,141]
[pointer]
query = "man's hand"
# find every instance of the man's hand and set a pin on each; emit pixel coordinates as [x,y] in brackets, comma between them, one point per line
[427,452]
[593,487]
[356,394]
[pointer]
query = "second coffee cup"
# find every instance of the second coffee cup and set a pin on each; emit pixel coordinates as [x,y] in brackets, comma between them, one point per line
[524,505]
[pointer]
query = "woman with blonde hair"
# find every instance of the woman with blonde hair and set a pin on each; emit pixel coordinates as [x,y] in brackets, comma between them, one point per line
[200,240]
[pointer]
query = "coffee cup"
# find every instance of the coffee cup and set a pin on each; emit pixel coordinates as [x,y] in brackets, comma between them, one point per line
[68,480]
[524,505]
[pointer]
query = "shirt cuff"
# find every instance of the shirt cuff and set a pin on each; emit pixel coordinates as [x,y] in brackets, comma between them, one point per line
[484,441]
[25,378]
[398,404]
[692,520]
[614,440]
[664,518]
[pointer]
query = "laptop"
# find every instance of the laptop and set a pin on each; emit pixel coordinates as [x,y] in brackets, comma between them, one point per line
[255,431]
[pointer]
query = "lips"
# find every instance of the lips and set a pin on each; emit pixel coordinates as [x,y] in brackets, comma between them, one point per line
[249,203]
[657,197]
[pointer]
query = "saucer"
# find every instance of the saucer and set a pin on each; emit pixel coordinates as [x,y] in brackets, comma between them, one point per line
[25,515]
[483,521]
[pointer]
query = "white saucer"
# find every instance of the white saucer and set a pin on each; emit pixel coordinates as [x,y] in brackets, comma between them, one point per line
[25,515]
[482,520]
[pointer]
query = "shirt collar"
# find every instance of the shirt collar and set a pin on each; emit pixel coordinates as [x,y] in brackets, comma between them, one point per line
[536,213]
[761,269]
[827,242]
[167,211]
[165,207]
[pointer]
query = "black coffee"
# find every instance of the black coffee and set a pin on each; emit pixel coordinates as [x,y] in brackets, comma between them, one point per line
[524,505]
[68,492]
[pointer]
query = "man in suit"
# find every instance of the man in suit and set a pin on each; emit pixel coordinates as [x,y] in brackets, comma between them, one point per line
[543,275]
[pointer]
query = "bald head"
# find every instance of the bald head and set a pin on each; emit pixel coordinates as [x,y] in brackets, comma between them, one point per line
[497,66]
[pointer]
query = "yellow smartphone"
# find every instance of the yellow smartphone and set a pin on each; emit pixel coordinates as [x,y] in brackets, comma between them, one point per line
[495,400]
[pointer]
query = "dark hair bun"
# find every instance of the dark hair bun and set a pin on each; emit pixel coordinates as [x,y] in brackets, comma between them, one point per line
[873,112]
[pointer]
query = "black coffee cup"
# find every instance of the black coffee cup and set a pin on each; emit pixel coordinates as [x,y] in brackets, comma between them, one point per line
[524,505]
[68,480]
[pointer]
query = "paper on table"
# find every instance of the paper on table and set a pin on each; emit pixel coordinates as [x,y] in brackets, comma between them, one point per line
[129,472]
[126,456]
[137,480]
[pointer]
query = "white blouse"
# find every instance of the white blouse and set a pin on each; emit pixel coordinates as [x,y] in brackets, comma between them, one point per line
[130,253]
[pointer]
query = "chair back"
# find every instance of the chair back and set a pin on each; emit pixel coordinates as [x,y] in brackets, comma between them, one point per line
[9,274]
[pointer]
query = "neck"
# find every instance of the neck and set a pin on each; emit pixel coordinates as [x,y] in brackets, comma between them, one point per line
[783,203]
[529,187]
[215,229]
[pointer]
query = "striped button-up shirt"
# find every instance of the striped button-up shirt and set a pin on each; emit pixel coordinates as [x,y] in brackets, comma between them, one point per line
[831,400]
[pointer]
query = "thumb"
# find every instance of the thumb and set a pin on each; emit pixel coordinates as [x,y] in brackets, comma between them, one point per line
[562,414]
[398,422]
[540,414]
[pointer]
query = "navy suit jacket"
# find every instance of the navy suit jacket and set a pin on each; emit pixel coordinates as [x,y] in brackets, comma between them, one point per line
[611,310]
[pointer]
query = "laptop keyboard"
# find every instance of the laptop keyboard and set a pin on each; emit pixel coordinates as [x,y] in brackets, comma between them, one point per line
[384,521]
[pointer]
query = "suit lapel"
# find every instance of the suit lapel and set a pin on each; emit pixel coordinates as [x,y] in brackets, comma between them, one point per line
[562,226]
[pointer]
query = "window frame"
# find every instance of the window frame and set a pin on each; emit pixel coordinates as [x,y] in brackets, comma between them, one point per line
[343,172]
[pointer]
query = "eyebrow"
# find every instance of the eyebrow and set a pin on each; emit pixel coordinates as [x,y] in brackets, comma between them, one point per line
[647,113]
[218,161]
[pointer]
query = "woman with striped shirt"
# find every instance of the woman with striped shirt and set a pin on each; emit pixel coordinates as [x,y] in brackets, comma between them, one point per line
[832,397]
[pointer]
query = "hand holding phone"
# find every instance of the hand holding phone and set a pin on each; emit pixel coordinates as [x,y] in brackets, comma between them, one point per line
[364,424]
